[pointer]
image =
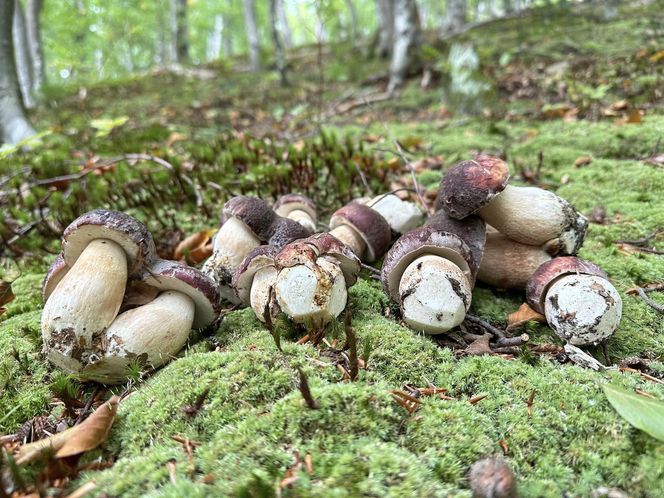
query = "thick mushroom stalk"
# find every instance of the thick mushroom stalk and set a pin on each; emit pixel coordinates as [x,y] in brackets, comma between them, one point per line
[313,276]
[507,264]
[298,208]
[528,215]
[401,215]
[577,299]
[248,222]
[152,334]
[430,272]
[365,231]
[84,291]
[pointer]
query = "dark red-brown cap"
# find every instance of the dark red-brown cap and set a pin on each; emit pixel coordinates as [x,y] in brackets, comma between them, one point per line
[171,275]
[371,226]
[548,272]
[472,230]
[55,274]
[420,242]
[126,231]
[258,258]
[255,213]
[284,231]
[290,202]
[469,185]
[306,251]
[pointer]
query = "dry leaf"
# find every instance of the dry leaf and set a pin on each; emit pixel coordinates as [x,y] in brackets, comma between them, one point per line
[522,316]
[479,346]
[195,248]
[564,180]
[582,161]
[75,440]
[6,295]
[627,249]
[635,116]
[657,57]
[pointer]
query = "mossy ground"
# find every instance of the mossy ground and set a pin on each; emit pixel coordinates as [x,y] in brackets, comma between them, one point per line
[254,421]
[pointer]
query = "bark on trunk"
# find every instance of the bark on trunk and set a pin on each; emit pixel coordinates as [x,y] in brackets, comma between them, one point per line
[279,51]
[385,13]
[455,16]
[33,22]
[407,37]
[22,55]
[253,40]
[182,31]
[352,14]
[14,126]
[285,27]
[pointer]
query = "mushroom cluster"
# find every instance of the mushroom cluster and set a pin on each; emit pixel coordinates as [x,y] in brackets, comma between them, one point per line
[88,331]
[532,236]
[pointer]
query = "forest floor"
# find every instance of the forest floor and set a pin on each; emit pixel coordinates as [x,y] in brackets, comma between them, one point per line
[574,103]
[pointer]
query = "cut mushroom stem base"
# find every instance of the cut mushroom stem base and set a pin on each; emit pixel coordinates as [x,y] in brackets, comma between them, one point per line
[84,303]
[583,309]
[312,295]
[351,238]
[435,294]
[149,335]
[259,296]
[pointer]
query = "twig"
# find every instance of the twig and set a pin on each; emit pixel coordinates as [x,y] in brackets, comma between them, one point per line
[306,392]
[370,268]
[87,406]
[402,154]
[650,302]
[486,326]
[512,341]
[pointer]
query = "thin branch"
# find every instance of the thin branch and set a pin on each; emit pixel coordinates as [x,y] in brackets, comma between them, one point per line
[650,302]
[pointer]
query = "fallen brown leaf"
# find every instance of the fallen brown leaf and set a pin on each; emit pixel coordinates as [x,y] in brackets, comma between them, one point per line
[522,316]
[75,440]
[195,248]
[6,295]
[479,346]
[582,161]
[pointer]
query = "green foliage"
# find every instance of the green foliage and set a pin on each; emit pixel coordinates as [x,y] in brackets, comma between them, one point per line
[642,412]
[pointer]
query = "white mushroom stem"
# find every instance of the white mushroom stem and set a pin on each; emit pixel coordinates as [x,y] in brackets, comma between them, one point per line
[507,264]
[529,215]
[150,334]
[401,215]
[349,236]
[259,296]
[84,303]
[312,296]
[302,217]
[435,294]
[232,243]
[583,309]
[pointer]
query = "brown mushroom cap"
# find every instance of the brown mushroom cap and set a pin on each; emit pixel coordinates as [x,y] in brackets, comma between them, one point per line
[55,273]
[255,213]
[469,185]
[258,258]
[284,231]
[126,231]
[419,242]
[306,251]
[472,230]
[290,202]
[371,226]
[170,275]
[548,272]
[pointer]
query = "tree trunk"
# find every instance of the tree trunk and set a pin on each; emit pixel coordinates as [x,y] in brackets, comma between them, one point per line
[253,40]
[14,126]
[22,55]
[385,13]
[33,22]
[172,52]
[227,37]
[455,16]
[508,6]
[285,27]
[279,51]
[181,31]
[213,48]
[352,14]
[407,38]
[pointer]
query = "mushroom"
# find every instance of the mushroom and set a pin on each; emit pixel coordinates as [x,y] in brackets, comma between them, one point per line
[365,231]
[153,333]
[254,279]
[299,208]
[100,250]
[400,215]
[247,223]
[577,299]
[529,215]
[55,273]
[313,276]
[507,264]
[430,271]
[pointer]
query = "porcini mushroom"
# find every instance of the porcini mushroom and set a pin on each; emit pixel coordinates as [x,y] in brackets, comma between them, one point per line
[365,231]
[430,271]
[153,333]
[254,279]
[401,215]
[529,215]
[299,208]
[507,264]
[100,249]
[313,276]
[577,299]
[55,273]
[247,223]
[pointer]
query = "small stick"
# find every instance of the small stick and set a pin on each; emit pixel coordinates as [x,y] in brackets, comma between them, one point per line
[485,325]
[477,399]
[306,392]
[512,341]
[653,304]
[87,406]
